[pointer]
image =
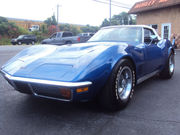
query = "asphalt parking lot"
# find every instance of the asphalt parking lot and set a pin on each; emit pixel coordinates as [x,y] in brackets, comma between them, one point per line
[154,110]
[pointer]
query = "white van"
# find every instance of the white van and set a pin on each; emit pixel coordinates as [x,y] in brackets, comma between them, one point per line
[34,28]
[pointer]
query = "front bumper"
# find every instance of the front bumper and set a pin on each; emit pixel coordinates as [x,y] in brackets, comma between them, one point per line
[47,88]
[13,42]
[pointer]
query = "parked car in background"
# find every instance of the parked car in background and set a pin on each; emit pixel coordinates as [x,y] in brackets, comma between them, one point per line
[85,36]
[24,39]
[34,28]
[107,67]
[61,38]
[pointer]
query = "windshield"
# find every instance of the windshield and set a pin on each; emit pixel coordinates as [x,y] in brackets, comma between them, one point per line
[121,34]
[21,36]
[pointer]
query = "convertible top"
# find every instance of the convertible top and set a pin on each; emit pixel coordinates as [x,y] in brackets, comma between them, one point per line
[133,26]
[120,26]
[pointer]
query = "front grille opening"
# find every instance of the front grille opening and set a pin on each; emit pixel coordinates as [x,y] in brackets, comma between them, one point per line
[22,87]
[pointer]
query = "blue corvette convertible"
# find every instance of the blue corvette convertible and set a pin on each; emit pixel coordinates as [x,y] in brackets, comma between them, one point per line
[108,66]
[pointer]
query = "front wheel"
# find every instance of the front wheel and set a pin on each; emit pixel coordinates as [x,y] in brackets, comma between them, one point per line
[19,43]
[32,42]
[120,86]
[168,70]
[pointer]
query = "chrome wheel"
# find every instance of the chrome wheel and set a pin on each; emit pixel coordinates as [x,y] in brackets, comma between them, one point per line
[124,83]
[171,64]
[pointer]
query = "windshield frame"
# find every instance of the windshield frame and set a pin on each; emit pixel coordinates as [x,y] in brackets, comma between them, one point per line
[140,36]
[20,36]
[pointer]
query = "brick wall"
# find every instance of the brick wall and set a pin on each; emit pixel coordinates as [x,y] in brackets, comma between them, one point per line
[160,16]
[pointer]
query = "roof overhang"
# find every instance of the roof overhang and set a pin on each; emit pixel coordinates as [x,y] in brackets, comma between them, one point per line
[148,5]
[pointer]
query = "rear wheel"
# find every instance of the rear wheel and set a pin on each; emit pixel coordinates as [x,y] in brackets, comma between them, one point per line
[68,42]
[168,70]
[120,86]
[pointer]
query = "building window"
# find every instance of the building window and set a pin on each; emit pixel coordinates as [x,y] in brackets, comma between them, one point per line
[155,26]
[166,31]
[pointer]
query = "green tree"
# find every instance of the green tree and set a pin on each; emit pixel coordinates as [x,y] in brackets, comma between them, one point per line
[89,28]
[10,29]
[51,21]
[44,29]
[65,27]
[105,23]
[75,30]
[72,28]
[122,19]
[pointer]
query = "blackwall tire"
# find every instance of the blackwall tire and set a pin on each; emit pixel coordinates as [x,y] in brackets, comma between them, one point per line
[19,43]
[120,86]
[68,42]
[32,42]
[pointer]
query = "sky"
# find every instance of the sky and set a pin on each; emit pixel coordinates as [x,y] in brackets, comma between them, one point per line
[70,11]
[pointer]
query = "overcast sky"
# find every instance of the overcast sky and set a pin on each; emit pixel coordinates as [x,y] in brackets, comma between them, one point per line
[71,11]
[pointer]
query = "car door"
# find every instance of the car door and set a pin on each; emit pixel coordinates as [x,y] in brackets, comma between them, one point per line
[28,39]
[58,39]
[25,39]
[153,53]
[67,37]
[53,38]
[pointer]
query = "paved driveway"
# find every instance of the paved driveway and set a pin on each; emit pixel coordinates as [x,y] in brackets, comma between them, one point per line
[154,110]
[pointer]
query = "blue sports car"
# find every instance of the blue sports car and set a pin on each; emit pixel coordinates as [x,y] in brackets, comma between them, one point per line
[108,66]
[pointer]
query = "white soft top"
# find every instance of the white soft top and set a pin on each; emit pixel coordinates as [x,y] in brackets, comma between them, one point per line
[133,26]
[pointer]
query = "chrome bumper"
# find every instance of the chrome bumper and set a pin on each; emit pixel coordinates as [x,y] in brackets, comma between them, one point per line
[48,82]
[27,83]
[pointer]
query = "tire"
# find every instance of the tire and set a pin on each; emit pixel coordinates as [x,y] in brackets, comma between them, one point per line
[120,86]
[32,42]
[13,43]
[168,70]
[68,42]
[19,43]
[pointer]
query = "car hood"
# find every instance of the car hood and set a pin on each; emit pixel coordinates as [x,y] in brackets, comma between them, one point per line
[51,62]
[13,39]
[46,40]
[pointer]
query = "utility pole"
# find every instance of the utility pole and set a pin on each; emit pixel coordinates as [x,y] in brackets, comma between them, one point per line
[110,12]
[57,17]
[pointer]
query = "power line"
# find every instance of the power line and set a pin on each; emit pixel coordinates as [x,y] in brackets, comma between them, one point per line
[113,4]
[119,3]
[110,11]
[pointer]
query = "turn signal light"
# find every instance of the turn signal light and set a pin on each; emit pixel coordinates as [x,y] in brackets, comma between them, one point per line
[78,39]
[66,93]
[81,89]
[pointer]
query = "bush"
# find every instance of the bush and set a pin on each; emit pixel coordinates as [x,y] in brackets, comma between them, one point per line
[44,29]
[52,29]
[5,41]
[40,36]
[9,29]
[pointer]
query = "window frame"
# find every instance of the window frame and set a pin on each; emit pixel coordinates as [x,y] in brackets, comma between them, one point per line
[155,34]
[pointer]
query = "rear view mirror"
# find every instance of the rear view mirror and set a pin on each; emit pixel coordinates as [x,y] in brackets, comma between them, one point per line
[154,39]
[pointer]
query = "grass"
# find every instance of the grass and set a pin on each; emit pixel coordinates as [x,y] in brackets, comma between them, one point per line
[5,41]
